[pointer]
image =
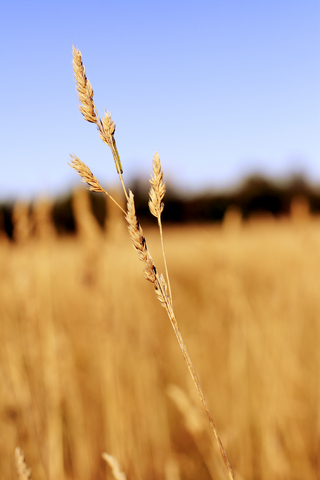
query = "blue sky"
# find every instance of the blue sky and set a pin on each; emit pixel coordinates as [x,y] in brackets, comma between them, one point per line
[220,89]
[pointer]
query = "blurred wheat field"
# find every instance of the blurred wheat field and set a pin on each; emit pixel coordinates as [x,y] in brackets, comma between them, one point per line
[90,364]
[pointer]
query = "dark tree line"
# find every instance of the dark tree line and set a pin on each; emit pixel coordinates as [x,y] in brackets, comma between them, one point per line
[256,195]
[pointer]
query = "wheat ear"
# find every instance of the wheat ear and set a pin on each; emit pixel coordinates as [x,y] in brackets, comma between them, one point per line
[139,241]
[106,126]
[88,178]
[156,194]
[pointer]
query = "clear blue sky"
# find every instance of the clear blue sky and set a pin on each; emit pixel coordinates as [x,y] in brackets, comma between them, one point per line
[219,88]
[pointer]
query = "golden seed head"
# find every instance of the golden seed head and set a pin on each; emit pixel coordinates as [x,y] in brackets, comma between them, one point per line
[84,88]
[109,128]
[86,174]
[139,241]
[158,188]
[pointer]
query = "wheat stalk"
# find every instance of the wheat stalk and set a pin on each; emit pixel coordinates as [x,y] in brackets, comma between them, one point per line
[157,191]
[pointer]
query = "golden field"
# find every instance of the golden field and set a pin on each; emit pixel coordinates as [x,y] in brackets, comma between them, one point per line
[90,364]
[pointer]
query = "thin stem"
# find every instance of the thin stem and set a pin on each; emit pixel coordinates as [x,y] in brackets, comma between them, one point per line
[164,259]
[116,156]
[114,201]
[194,376]
[123,185]
[114,151]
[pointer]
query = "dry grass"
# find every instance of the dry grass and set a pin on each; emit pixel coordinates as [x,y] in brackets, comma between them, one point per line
[87,355]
